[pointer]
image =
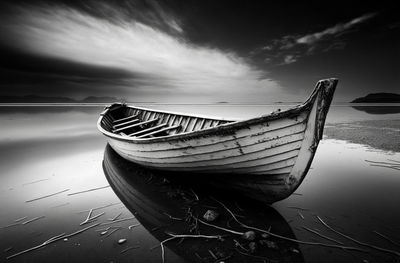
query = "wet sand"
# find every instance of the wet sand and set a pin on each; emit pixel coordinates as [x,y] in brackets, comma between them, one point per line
[378,134]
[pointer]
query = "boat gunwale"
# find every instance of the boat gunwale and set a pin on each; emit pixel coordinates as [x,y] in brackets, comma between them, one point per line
[294,111]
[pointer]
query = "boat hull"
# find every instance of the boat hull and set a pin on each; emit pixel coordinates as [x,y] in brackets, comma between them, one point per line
[271,153]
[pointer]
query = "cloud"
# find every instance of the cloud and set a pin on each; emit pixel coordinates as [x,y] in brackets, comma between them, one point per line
[166,59]
[340,28]
[288,49]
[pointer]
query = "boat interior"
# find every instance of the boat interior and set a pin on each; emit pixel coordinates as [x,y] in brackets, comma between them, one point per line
[145,123]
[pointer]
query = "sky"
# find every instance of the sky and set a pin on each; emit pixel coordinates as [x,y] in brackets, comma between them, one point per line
[188,51]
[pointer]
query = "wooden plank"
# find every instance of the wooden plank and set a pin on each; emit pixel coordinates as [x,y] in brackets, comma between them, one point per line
[125,119]
[148,130]
[125,123]
[136,125]
[159,131]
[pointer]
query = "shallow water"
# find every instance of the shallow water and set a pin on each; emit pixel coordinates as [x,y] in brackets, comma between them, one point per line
[47,150]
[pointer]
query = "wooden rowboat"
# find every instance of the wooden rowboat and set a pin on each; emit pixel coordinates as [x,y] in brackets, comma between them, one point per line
[271,153]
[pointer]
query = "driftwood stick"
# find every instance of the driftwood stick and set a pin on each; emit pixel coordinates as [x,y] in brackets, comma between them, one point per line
[288,238]
[195,195]
[172,217]
[387,238]
[60,205]
[90,219]
[37,181]
[133,226]
[31,220]
[89,215]
[20,219]
[119,220]
[221,228]
[396,253]
[127,249]
[42,197]
[300,214]
[111,232]
[97,208]
[51,240]
[328,238]
[89,190]
[115,217]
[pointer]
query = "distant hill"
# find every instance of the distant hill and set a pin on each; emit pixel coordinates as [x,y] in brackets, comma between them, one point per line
[379,98]
[41,99]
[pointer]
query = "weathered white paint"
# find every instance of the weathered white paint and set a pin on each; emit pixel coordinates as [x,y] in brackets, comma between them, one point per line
[275,149]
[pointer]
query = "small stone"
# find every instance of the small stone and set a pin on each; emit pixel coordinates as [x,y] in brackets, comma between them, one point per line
[103,233]
[271,244]
[252,247]
[210,215]
[292,249]
[65,239]
[121,241]
[249,235]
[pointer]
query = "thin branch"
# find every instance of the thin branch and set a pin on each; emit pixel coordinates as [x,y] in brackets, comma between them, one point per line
[20,219]
[195,195]
[396,253]
[90,219]
[133,226]
[221,228]
[89,190]
[172,217]
[51,240]
[96,208]
[127,249]
[387,238]
[31,220]
[42,197]
[116,221]
[115,217]
[300,214]
[328,238]
[37,181]
[111,232]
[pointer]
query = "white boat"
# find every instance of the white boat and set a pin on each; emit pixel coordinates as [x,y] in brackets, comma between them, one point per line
[269,155]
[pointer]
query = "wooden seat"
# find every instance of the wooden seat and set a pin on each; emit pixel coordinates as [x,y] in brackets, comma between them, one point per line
[135,125]
[125,123]
[125,119]
[148,130]
[158,131]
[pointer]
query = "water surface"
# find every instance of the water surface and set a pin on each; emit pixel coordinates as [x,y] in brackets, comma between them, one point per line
[48,150]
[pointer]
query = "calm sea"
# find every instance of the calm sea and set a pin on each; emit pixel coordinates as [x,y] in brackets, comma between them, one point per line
[51,156]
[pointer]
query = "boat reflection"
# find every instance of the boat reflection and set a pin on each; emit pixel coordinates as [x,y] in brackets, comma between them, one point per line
[163,206]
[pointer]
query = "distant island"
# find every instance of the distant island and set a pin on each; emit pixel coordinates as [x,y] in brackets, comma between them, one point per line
[379,98]
[42,99]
